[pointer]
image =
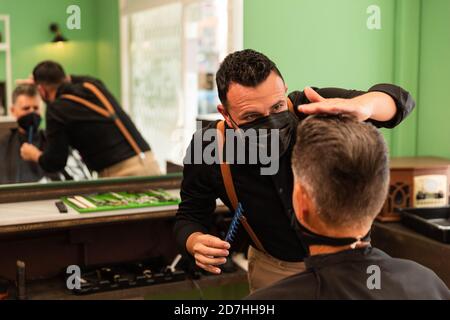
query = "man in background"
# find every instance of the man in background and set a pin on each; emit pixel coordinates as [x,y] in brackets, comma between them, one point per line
[94,131]
[341,178]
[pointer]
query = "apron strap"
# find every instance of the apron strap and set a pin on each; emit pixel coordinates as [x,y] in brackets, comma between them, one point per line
[229,185]
[290,105]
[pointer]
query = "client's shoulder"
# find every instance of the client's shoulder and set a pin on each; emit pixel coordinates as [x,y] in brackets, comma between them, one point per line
[301,286]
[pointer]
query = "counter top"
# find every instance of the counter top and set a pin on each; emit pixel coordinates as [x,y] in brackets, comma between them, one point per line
[43,215]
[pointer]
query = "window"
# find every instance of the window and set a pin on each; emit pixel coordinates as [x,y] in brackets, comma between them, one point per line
[171,51]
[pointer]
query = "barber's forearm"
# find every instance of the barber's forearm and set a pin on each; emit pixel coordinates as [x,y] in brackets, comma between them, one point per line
[37,156]
[382,105]
[51,163]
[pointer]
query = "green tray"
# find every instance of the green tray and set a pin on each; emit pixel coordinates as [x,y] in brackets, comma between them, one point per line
[95,198]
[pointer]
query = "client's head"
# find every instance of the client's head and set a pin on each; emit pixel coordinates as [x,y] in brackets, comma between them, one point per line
[341,175]
[26,107]
[25,100]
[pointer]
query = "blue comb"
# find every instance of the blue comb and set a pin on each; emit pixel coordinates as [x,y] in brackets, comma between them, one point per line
[30,134]
[234,223]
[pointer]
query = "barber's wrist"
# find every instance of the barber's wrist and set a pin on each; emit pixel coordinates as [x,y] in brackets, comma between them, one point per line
[37,155]
[383,106]
[191,240]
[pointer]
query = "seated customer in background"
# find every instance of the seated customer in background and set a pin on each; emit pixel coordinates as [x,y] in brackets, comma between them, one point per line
[341,172]
[26,110]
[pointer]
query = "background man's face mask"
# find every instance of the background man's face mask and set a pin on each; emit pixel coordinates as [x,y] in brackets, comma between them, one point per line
[29,122]
[284,122]
[310,238]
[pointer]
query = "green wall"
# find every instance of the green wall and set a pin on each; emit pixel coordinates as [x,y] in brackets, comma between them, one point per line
[433,134]
[314,42]
[93,50]
[326,43]
[323,43]
[108,50]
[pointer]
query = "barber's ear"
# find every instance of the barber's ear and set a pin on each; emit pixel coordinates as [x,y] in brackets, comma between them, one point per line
[42,92]
[225,115]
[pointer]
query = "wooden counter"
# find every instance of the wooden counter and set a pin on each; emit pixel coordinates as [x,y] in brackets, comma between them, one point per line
[43,215]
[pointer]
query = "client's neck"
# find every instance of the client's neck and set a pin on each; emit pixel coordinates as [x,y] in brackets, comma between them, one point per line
[357,233]
[322,249]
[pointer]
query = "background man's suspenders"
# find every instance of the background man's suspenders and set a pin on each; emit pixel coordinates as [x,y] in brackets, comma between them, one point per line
[109,112]
[228,180]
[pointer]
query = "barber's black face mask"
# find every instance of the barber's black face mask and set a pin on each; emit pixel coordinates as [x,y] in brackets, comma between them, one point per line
[285,122]
[29,122]
[310,238]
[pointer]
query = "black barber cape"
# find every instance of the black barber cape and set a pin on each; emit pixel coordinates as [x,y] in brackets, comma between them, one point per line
[97,138]
[350,275]
[13,169]
[267,200]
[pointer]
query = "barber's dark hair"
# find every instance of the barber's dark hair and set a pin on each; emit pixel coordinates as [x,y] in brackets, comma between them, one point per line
[28,90]
[49,73]
[248,68]
[344,166]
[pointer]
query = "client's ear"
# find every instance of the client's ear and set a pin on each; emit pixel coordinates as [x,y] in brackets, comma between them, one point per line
[302,202]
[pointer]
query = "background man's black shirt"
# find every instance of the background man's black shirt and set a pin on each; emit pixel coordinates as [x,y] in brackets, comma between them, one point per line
[266,199]
[345,275]
[98,140]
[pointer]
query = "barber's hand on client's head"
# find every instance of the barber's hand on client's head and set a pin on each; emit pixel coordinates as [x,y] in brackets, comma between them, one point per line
[29,80]
[29,152]
[360,107]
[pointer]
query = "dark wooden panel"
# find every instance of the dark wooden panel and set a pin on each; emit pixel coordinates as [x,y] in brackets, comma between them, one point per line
[402,242]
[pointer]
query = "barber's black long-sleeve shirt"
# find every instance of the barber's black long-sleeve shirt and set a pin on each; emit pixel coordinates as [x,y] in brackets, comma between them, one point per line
[364,274]
[266,198]
[97,138]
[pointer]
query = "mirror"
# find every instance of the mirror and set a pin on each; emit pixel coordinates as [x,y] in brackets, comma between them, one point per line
[156,59]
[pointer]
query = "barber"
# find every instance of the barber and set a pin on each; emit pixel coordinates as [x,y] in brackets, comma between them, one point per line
[253,96]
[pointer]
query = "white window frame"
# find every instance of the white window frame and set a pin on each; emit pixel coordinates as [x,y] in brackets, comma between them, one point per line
[235,35]
[235,42]
[5,47]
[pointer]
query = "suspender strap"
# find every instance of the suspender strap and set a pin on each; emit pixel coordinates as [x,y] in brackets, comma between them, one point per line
[109,112]
[229,185]
[225,167]
[87,104]
[290,106]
